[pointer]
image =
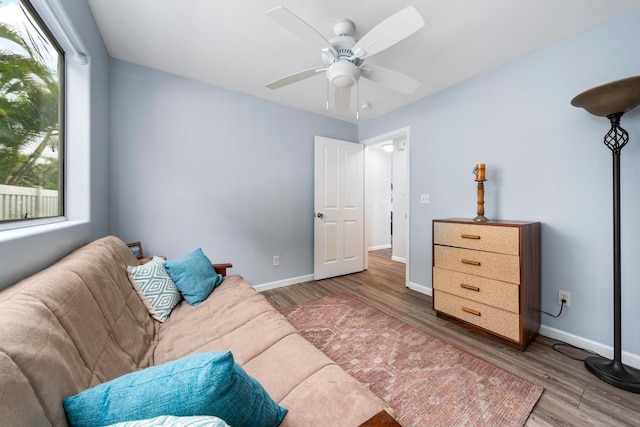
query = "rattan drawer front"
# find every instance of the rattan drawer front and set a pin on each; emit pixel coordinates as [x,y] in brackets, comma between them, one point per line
[493,319]
[505,268]
[503,295]
[482,237]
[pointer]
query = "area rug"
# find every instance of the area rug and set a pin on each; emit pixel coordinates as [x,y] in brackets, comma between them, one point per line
[426,381]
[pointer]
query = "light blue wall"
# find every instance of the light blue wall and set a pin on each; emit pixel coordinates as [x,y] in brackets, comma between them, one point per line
[545,162]
[194,166]
[38,247]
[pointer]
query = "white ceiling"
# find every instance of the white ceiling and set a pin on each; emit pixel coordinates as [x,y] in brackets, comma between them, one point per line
[234,45]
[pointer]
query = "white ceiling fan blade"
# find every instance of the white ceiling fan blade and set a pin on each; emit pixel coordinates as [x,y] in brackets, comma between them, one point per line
[300,28]
[342,99]
[389,78]
[389,32]
[295,77]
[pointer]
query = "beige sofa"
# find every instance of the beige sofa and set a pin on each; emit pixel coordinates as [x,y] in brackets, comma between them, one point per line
[80,322]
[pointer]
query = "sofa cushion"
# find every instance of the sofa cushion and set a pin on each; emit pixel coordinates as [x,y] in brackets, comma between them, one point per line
[71,326]
[194,276]
[19,405]
[155,287]
[200,384]
[336,397]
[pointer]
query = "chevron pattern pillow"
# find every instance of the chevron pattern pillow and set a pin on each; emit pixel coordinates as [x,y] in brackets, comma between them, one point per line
[155,288]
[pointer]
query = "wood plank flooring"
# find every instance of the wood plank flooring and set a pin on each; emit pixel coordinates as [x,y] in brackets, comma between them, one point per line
[572,395]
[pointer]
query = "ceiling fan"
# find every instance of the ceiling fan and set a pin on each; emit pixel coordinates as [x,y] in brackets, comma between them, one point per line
[343,56]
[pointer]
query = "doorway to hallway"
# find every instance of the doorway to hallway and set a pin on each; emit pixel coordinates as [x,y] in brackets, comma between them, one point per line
[387,196]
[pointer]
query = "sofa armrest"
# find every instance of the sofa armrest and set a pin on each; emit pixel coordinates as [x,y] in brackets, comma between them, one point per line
[222,268]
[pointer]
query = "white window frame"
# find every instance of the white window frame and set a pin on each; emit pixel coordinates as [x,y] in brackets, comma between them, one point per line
[77,114]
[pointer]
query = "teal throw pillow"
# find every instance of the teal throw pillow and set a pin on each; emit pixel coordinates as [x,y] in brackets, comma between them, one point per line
[200,384]
[194,276]
[171,421]
[155,288]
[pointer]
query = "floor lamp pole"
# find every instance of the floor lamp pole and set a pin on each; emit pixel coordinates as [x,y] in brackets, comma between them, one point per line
[617,261]
[612,100]
[614,371]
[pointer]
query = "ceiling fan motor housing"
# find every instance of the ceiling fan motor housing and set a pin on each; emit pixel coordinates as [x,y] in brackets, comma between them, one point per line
[343,72]
[343,46]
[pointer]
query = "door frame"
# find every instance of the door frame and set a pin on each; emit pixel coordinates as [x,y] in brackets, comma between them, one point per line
[404,131]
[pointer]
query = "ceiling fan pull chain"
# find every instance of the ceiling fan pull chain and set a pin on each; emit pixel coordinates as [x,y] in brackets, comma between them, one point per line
[327,80]
[358,100]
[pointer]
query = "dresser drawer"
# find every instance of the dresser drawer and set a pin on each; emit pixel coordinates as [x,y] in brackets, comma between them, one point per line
[481,237]
[493,319]
[505,268]
[503,295]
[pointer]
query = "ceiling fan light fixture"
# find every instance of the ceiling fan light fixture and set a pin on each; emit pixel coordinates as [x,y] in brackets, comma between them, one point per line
[343,74]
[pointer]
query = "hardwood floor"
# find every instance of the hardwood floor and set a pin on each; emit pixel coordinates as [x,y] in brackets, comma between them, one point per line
[572,395]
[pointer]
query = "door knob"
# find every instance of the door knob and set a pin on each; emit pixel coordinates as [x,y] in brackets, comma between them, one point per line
[319,215]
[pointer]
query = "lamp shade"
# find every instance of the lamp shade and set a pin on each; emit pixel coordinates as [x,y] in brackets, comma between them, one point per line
[619,96]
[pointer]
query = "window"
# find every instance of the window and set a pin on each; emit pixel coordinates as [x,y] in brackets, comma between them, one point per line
[31,116]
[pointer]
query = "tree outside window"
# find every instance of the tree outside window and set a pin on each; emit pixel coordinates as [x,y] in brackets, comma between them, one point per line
[31,106]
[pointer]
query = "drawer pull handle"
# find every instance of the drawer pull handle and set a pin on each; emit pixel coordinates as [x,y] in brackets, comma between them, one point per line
[470,236]
[469,287]
[470,262]
[471,311]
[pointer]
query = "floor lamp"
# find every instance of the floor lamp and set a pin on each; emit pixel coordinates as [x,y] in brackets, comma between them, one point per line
[612,100]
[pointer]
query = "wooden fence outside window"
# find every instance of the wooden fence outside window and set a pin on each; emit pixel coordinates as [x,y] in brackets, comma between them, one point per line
[27,202]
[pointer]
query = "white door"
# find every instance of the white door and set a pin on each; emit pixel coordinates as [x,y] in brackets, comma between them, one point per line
[339,208]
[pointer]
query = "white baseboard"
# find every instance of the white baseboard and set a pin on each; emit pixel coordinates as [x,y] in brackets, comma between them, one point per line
[377,248]
[420,288]
[602,349]
[282,283]
[399,259]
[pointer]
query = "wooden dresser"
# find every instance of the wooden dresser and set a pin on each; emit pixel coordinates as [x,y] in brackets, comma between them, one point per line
[486,276]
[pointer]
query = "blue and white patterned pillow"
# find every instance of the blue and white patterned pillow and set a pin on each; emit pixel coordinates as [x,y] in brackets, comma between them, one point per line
[155,288]
[172,421]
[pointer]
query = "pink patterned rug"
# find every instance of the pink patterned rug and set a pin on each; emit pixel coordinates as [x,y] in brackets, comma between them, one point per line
[425,380]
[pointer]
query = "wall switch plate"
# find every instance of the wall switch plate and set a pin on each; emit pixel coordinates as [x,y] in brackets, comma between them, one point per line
[424,198]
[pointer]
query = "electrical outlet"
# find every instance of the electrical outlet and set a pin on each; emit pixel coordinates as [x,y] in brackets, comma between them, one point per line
[276,260]
[566,296]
